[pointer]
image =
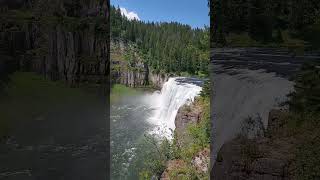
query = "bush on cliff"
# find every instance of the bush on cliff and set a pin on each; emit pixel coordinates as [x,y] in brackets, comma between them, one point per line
[155,157]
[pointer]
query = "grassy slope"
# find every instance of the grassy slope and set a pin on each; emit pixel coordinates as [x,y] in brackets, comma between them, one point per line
[119,90]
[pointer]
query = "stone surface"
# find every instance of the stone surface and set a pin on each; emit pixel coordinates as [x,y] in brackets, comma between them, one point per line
[136,74]
[73,56]
[188,114]
[257,159]
[201,161]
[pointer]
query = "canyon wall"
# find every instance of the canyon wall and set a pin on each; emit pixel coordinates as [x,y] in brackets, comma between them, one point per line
[63,41]
[136,73]
[188,115]
[134,78]
[270,157]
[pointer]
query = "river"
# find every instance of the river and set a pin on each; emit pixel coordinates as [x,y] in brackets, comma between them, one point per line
[138,114]
[246,83]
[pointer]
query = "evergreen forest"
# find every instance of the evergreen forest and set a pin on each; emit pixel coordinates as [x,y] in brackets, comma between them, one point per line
[167,47]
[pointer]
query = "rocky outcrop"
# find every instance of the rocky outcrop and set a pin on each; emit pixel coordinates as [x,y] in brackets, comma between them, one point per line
[187,115]
[137,73]
[137,76]
[201,161]
[158,79]
[260,158]
[64,43]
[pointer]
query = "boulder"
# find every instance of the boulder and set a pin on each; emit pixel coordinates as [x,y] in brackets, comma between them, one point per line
[201,161]
[250,159]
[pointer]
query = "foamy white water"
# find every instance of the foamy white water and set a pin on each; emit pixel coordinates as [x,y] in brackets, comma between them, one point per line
[243,93]
[175,93]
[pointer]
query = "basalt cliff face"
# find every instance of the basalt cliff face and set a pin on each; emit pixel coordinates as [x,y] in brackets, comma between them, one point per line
[68,40]
[270,157]
[135,73]
[133,78]
[187,115]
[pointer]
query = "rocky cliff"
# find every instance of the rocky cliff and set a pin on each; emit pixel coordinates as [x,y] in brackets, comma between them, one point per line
[134,72]
[137,76]
[68,40]
[188,114]
[270,157]
[196,166]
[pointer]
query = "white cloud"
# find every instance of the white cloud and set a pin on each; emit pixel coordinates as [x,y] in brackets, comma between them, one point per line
[130,15]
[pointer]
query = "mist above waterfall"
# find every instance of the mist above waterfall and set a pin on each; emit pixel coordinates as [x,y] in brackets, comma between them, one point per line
[175,93]
[136,114]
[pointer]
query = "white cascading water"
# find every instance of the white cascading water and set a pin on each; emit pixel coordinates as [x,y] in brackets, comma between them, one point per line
[174,94]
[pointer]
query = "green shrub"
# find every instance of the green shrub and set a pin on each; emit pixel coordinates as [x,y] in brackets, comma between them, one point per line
[156,155]
[183,173]
[198,133]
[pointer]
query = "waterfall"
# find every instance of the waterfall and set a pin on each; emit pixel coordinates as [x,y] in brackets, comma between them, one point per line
[239,94]
[175,93]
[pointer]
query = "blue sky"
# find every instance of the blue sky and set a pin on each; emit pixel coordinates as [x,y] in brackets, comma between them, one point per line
[192,12]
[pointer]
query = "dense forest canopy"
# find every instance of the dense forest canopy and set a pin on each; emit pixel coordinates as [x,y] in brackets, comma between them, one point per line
[266,20]
[165,47]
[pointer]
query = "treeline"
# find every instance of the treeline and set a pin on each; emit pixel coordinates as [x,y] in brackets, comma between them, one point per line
[265,20]
[165,47]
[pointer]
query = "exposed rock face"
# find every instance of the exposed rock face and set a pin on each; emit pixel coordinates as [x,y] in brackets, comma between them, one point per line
[201,161]
[134,74]
[188,114]
[137,76]
[235,161]
[158,79]
[61,53]
[262,158]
